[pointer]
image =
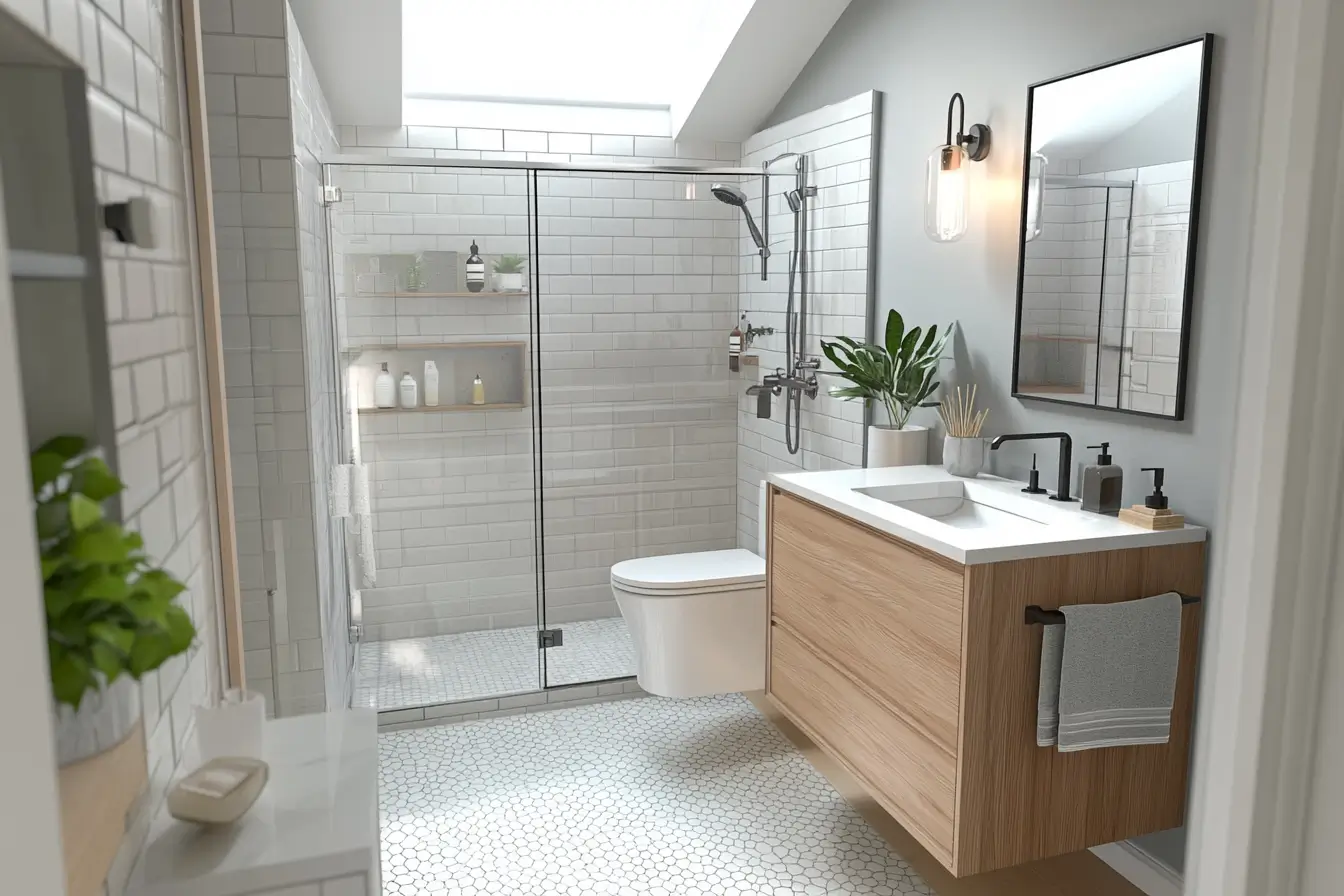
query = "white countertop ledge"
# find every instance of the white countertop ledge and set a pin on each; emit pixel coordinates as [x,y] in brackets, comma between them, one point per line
[1037,527]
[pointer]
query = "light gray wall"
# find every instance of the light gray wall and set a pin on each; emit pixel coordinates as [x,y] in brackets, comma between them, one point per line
[907,50]
[1167,134]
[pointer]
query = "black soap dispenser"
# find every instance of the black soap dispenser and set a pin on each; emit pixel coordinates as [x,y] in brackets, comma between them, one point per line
[475,269]
[1103,483]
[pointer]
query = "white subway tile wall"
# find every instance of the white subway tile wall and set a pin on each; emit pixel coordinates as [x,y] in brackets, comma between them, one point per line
[637,294]
[839,142]
[269,124]
[136,106]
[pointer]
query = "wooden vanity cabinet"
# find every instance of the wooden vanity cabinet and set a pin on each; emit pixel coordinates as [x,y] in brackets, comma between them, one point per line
[919,676]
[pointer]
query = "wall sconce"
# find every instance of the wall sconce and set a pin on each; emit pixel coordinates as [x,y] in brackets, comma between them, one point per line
[947,204]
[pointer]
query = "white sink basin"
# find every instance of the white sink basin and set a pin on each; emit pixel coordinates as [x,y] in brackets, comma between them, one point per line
[971,505]
[969,521]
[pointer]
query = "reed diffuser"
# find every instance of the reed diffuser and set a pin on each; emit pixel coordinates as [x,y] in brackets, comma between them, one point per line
[964,451]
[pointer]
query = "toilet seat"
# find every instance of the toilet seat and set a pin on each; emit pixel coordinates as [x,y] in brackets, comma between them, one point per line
[675,575]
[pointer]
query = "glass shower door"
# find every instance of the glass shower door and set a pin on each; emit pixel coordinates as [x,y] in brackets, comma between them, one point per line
[427,263]
[637,410]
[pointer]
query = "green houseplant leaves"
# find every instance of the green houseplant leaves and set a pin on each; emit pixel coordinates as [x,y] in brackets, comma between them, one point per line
[899,373]
[510,264]
[109,612]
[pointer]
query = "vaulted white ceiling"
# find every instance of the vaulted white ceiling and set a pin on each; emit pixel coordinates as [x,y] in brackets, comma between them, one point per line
[716,67]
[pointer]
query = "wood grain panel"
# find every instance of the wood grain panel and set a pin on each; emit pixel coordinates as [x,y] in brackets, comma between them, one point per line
[96,796]
[1069,875]
[1017,801]
[906,772]
[886,613]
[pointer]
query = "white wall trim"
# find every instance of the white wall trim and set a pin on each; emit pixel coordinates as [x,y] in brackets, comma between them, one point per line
[1144,870]
[1273,583]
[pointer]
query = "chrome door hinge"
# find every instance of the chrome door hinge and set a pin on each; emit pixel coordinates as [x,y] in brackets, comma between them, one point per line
[330,195]
[550,637]
[356,633]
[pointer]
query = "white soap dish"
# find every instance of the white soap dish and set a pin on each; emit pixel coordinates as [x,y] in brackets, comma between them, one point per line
[219,792]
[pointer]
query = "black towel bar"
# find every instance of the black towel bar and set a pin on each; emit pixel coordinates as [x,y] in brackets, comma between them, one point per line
[1037,616]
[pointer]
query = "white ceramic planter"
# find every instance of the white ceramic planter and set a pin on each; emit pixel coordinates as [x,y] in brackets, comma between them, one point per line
[104,719]
[509,282]
[964,457]
[888,447]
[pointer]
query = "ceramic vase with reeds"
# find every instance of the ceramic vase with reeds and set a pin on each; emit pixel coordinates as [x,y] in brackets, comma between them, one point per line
[964,451]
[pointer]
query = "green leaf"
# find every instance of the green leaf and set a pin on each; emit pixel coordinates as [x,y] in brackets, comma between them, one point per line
[114,636]
[47,467]
[52,519]
[64,447]
[84,512]
[895,328]
[70,677]
[93,479]
[101,543]
[107,660]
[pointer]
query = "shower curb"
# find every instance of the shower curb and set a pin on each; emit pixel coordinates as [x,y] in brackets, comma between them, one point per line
[514,704]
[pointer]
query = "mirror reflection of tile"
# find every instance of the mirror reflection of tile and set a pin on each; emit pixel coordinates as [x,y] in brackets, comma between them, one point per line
[1104,265]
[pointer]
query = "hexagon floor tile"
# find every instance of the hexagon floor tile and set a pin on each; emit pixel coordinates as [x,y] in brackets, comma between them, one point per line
[648,796]
[480,665]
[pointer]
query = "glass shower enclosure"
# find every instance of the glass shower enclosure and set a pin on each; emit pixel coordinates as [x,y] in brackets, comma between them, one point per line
[555,338]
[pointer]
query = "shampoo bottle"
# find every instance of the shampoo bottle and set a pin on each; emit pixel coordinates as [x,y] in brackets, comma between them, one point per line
[477,390]
[409,396]
[475,269]
[1103,483]
[431,385]
[384,389]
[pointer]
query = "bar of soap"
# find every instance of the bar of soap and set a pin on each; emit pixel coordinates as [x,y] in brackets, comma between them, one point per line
[219,792]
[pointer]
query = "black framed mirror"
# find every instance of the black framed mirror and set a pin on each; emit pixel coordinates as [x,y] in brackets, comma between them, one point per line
[1110,206]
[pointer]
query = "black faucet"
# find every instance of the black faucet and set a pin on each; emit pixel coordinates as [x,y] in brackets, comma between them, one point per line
[1065,457]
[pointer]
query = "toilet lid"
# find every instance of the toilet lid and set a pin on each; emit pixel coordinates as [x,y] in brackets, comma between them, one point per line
[679,572]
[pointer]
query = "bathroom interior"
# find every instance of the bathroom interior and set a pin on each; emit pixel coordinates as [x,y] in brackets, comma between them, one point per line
[531,484]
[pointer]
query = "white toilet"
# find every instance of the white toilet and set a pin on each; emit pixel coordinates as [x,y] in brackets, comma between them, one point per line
[697,621]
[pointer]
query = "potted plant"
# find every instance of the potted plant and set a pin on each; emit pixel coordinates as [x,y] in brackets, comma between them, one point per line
[509,273]
[111,615]
[899,374]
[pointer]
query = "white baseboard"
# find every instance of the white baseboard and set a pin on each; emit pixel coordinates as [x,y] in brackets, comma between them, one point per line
[1151,875]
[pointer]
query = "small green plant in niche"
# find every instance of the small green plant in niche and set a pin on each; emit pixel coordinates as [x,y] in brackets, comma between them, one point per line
[510,264]
[110,612]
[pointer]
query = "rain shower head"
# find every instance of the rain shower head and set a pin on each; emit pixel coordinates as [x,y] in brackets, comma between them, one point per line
[730,195]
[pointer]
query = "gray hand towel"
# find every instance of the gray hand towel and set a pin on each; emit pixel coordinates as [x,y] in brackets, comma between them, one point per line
[1117,681]
[1047,698]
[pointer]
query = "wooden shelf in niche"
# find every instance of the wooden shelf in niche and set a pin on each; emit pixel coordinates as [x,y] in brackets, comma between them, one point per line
[502,366]
[403,294]
[446,408]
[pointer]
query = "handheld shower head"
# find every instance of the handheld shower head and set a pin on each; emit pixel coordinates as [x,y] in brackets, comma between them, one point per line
[730,195]
[795,200]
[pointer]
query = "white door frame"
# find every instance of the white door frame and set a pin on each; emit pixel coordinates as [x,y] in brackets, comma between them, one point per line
[1275,581]
[30,816]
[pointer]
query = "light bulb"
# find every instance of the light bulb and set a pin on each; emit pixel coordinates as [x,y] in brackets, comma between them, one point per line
[947,205]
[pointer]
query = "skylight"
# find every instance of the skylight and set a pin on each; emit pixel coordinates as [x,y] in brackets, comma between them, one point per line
[576,52]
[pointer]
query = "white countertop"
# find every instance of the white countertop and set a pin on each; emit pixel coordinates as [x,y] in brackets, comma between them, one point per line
[1058,528]
[317,819]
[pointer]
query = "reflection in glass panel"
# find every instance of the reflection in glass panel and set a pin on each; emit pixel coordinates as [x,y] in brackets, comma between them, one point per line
[1109,182]
[435,333]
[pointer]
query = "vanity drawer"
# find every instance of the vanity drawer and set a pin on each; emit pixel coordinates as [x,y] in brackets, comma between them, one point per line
[887,614]
[911,777]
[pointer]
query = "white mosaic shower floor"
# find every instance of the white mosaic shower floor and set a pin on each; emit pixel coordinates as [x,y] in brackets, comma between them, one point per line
[477,665]
[650,796]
